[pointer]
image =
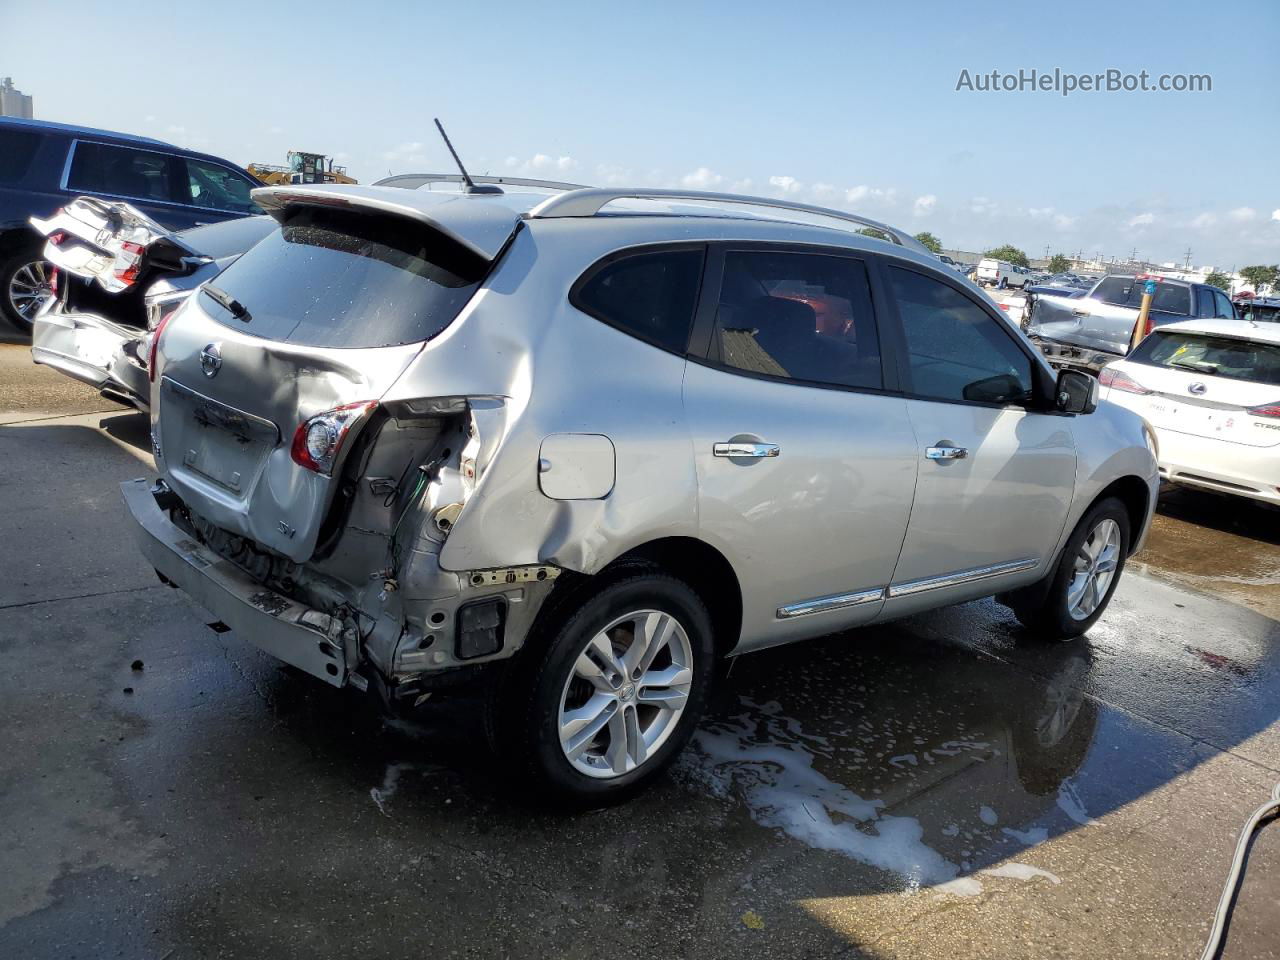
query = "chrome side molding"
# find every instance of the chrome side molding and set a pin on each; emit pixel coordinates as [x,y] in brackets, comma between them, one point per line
[827,604]
[841,600]
[960,577]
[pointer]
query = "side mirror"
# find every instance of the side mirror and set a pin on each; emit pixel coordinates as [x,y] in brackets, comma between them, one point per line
[1076,392]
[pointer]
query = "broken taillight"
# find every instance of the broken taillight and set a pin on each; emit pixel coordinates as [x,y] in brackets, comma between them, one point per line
[129,262]
[1265,410]
[318,440]
[1111,377]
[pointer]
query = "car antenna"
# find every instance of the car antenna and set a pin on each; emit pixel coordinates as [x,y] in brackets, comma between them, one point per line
[472,186]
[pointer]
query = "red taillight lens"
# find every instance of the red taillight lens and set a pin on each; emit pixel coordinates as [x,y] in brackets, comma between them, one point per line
[318,440]
[57,237]
[1266,410]
[1110,377]
[129,262]
[53,280]
[155,344]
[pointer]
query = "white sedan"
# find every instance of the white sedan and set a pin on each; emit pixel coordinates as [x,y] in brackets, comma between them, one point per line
[1211,391]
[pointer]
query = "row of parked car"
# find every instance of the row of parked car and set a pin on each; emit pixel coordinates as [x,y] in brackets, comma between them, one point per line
[575,445]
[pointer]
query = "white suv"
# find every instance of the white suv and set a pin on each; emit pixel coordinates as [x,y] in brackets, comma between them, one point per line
[578,447]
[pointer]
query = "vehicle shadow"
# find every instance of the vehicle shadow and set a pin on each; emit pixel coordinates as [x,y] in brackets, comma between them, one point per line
[1227,514]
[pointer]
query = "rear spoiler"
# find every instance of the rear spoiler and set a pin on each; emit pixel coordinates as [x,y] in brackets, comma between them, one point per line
[479,223]
[108,241]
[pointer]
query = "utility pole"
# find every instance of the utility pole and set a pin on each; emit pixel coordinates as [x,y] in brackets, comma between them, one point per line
[1186,264]
[1046,251]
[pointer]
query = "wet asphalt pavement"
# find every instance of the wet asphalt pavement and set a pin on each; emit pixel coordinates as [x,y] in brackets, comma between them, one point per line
[939,787]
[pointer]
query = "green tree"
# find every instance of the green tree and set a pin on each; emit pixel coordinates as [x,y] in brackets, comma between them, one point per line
[873,232]
[1058,263]
[930,241]
[1261,276]
[1219,280]
[1010,253]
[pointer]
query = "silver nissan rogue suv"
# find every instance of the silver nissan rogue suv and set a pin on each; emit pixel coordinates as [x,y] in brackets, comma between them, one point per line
[580,445]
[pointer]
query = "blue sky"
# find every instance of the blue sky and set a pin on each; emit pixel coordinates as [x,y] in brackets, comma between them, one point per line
[847,104]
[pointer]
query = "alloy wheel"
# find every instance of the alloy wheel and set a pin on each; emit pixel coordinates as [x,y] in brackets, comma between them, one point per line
[626,694]
[29,288]
[1094,569]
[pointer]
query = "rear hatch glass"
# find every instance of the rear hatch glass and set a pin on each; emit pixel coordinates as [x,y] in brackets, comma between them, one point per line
[1127,292]
[1212,356]
[334,278]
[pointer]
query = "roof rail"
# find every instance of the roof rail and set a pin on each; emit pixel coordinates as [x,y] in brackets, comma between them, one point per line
[588,202]
[412,181]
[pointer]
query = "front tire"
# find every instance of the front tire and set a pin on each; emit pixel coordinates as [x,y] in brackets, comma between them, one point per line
[1080,587]
[608,691]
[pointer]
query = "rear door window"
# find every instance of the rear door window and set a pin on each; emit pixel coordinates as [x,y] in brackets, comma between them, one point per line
[1211,356]
[648,295]
[332,278]
[957,351]
[17,147]
[1205,307]
[798,316]
[1127,292]
[215,187]
[122,171]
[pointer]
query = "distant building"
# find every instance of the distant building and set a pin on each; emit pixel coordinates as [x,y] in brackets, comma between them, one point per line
[13,102]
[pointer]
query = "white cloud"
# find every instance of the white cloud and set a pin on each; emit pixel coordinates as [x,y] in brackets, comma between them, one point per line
[868,196]
[924,205]
[612,176]
[1061,221]
[541,164]
[1275,214]
[406,154]
[1141,220]
[824,191]
[701,179]
[1242,214]
[982,206]
[1204,220]
[786,184]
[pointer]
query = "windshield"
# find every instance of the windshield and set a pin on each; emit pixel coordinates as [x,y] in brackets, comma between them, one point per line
[332,278]
[1127,292]
[1211,356]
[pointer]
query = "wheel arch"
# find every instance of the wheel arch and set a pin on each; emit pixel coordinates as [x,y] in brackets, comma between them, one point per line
[695,562]
[1134,493]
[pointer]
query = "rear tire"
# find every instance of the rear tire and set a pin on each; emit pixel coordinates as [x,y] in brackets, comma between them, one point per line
[575,717]
[24,277]
[1073,597]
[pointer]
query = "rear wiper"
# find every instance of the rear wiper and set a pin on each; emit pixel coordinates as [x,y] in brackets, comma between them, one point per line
[227,302]
[1195,367]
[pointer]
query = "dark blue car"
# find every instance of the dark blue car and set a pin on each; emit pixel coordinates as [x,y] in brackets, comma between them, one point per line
[44,165]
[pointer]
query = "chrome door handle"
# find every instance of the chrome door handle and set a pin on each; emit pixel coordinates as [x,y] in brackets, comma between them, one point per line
[945,453]
[737,449]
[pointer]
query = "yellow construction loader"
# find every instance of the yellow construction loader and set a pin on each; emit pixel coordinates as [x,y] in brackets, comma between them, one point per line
[302,168]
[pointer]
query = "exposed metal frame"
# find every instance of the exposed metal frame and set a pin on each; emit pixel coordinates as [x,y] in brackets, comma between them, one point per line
[422,179]
[589,201]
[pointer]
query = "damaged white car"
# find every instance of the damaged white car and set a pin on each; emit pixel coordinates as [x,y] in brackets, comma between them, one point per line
[582,446]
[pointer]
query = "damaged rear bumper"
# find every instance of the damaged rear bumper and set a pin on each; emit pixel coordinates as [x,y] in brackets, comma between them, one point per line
[308,639]
[94,351]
